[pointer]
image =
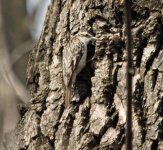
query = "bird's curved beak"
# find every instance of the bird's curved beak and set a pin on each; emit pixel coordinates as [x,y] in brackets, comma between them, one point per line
[94,40]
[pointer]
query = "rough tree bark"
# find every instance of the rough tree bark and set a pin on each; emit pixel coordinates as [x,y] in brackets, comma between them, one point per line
[96,119]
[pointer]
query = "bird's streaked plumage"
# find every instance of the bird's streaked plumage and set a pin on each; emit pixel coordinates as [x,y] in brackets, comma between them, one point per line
[74,60]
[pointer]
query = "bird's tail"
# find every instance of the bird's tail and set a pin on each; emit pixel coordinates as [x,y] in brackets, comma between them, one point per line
[67,96]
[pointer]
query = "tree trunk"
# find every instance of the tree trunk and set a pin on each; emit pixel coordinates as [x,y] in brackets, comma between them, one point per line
[96,118]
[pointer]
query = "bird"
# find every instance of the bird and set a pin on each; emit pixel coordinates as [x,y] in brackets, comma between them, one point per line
[74,60]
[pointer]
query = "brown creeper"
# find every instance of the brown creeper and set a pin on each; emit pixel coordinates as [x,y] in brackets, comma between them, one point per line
[74,60]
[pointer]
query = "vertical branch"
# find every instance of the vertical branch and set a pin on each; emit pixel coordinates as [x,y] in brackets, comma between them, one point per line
[127,9]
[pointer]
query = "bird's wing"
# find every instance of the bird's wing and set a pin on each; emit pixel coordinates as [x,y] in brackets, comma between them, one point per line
[71,57]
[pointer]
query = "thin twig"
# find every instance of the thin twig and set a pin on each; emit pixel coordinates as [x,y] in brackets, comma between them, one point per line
[127,9]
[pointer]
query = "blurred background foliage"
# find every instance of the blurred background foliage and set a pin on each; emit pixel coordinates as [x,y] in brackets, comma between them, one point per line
[21,23]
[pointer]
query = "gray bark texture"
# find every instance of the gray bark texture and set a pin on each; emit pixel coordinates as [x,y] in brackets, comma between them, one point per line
[96,118]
